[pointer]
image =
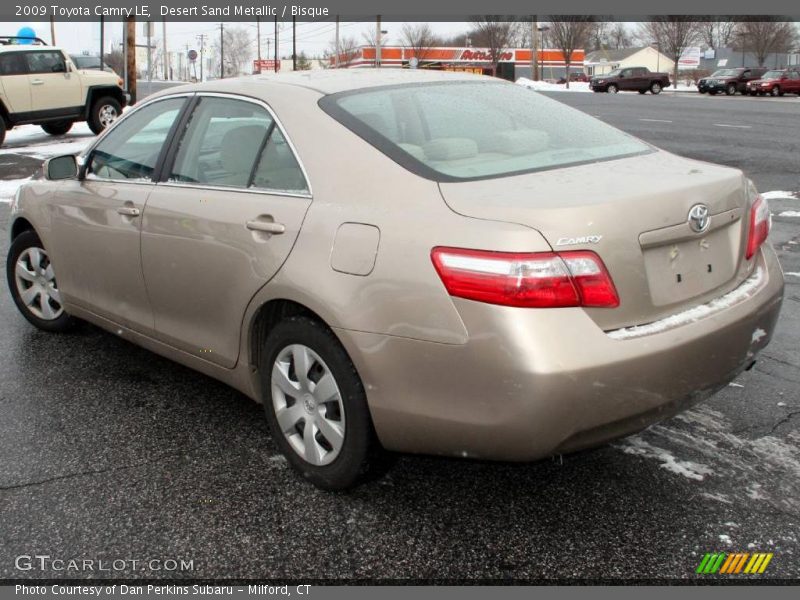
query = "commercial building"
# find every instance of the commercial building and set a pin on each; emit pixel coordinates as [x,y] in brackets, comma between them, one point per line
[601,62]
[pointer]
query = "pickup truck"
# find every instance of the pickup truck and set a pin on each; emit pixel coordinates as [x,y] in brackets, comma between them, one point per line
[638,79]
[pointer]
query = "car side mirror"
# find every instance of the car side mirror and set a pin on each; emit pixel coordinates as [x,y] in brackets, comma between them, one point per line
[59,68]
[60,167]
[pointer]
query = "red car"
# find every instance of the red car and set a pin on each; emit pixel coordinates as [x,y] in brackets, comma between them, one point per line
[581,77]
[776,83]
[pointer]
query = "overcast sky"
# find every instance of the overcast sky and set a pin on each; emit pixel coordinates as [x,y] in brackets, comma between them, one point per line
[312,37]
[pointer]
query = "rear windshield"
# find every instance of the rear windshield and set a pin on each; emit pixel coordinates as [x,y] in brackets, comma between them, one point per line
[459,131]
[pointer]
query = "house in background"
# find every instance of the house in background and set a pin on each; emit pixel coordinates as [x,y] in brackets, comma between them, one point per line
[601,62]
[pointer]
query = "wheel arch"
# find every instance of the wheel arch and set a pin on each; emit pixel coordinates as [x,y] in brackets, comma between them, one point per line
[5,115]
[96,92]
[20,226]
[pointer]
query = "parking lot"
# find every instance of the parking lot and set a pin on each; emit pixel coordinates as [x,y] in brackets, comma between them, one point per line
[111,452]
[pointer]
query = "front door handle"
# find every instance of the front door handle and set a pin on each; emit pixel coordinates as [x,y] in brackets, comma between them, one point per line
[129,211]
[266,227]
[37,81]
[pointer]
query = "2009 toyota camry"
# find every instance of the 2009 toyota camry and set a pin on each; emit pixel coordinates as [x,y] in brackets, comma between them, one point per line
[409,261]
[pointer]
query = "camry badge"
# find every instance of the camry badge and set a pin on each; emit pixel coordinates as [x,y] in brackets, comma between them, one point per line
[699,219]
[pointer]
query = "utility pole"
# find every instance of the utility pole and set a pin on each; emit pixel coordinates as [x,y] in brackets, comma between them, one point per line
[294,43]
[52,30]
[336,48]
[275,66]
[269,43]
[222,50]
[378,43]
[534,48]
[202,39]
[258,42]
[164,49]
[102,38]
[130,57]
[149,26]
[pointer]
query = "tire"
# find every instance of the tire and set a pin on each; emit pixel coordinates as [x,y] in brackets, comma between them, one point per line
[2,130]
[57,127]
[612,88]
[730,90]
[643,92]
[104,111]
[776,91]
[344,448]
[42,306]
[655,88]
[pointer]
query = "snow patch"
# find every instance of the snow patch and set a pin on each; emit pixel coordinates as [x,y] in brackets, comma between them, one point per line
[775,194]
[725,539]
[545,86]
[740,294]
[789,213]
[717,497]
[9,187]
[793,273]
[736,385]
[758,334]
[688,469]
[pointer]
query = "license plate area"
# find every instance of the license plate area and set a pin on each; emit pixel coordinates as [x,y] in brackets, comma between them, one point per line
[678,271]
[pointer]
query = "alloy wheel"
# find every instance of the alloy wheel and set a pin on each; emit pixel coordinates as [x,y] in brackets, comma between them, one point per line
[36,284]
[107,115]
[308,404]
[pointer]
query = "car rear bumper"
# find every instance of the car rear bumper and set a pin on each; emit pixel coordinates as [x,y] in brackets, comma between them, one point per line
[530,383]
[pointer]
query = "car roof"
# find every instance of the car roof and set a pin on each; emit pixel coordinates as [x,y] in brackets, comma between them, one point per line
[331,81]
[27,48]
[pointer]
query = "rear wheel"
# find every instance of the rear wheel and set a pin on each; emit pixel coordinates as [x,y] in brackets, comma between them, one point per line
[316,405]
[57,127]
[655,88]
[730,90]
[2,130]
[103,113]
[612,89]
[33,286]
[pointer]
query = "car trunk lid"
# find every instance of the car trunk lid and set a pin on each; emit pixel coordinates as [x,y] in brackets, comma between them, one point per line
[633,213]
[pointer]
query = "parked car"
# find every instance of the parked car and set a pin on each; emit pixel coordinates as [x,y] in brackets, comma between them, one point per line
[729,81]
[776,83]
[39,84]
[437,285]
[575,77]
[87,61]
[639,79]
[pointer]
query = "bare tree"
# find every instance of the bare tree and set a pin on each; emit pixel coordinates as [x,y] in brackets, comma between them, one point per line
[672,34]
[608,35]
[619,37]
[762,38]
[238,50]
[419,37]
[718,32]
[348,50]
[494,33]
[568,33]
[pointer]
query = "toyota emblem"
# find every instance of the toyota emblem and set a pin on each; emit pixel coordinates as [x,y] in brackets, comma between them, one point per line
[699,219]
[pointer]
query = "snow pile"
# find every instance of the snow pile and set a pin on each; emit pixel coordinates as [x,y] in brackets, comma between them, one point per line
[779,194]
[544,86]
[9,187]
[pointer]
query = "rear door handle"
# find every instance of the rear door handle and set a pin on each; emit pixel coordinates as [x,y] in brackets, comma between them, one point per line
[129,211]
[36,82]
[266,227]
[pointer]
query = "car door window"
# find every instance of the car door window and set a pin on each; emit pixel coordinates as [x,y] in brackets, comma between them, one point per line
[277,168]
[46,62]
[130,151]
[222,142]
[13,63]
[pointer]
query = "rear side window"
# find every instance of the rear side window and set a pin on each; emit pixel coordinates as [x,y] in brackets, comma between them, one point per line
[46,62]
[459,131]
[130,150]
[13,63]
[235,143]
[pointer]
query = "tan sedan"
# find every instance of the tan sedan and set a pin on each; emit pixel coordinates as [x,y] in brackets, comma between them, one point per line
[405,261]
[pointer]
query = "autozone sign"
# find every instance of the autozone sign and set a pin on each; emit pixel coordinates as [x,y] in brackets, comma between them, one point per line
[485,55]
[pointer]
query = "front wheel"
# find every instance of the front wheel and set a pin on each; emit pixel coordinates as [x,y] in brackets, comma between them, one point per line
[612,89]
[316,405]
[2,130]
[33,286]
[655,88]
[57,127]
[776,91]
[103,113]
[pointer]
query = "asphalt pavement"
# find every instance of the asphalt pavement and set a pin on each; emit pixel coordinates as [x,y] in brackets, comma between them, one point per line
[110,452]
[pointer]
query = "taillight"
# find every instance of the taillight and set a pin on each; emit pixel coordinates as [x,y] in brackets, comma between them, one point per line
[532,280]
[759,226]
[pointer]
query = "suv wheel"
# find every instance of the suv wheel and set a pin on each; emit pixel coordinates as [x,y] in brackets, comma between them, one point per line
[612,88]
[2,130]
[33,284]
[57,127]
[316,405]
[655,88]
[104,112]
[776,91]
[731,89]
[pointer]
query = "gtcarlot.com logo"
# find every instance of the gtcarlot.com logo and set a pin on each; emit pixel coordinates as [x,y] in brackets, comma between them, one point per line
[45,562]
[734,563]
